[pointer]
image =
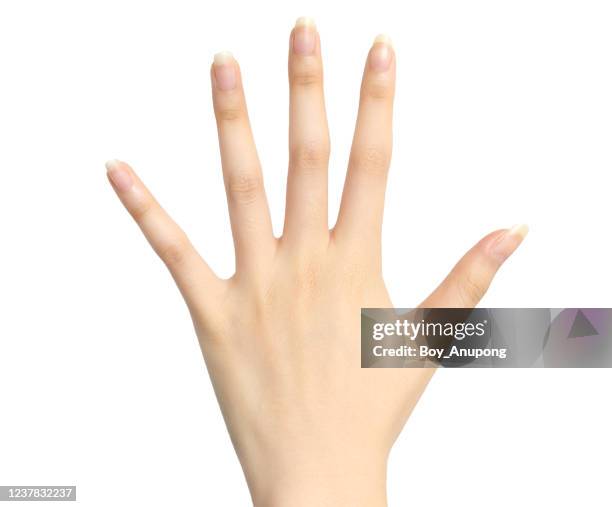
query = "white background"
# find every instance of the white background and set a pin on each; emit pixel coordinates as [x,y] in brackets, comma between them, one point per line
[503,115]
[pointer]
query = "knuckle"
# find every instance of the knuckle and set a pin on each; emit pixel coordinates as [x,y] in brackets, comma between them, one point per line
[377,90]
[141,210]
[308,277]
[174,252]
[245,187]
[371,159]
[355,275]
[471,289]
[230,113]
[214,328]
[306,75]
[311,154]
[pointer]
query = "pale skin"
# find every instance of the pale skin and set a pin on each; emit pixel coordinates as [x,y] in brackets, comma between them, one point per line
[281,338]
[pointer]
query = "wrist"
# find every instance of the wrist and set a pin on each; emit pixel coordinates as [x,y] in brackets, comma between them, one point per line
[327,482]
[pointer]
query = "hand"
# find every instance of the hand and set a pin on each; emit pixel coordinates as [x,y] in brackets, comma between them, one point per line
[281,338]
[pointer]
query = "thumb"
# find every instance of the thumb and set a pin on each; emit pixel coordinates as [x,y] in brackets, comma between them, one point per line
[469,280]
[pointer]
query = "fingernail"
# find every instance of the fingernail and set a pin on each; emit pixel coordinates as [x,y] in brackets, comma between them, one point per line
[304,36]
[119,176]
[508,242]
[381,53]
[224,68]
